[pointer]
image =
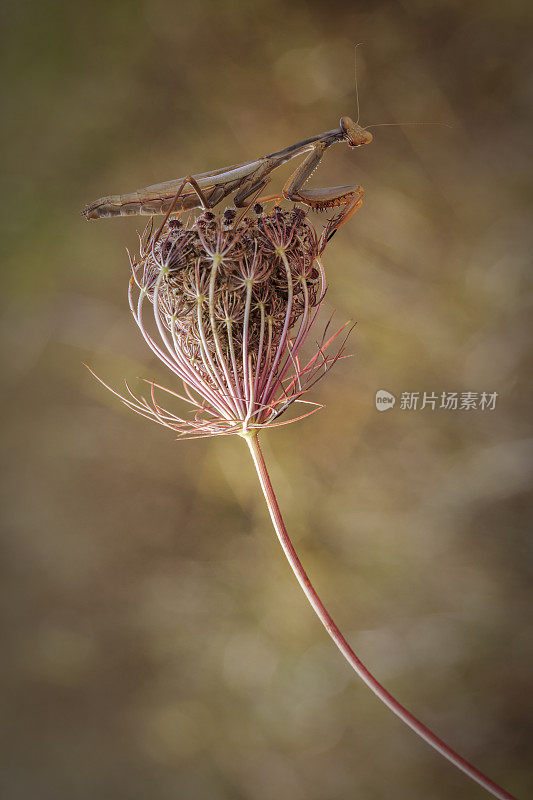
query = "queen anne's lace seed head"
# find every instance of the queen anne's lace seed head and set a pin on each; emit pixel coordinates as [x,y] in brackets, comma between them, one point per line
[232,302]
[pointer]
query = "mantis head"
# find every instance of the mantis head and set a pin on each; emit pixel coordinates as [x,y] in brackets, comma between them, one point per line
[355,135]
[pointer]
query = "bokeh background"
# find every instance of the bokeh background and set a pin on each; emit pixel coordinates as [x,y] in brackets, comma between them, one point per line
[155,643]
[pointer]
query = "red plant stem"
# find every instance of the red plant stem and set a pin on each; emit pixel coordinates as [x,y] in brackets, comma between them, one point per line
[340,641]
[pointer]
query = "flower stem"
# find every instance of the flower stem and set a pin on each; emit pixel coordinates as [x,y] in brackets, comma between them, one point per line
[319,608]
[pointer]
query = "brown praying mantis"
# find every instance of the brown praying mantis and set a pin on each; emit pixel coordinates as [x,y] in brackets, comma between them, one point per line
[207,189]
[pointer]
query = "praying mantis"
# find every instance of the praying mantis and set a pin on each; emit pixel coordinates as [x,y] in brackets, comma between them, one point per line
[207,189]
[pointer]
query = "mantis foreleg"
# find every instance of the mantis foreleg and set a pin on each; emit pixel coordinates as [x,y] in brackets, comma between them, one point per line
[348,196]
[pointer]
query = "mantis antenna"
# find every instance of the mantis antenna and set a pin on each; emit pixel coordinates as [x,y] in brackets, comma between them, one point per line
[401,124]
[356,86]
[381,124]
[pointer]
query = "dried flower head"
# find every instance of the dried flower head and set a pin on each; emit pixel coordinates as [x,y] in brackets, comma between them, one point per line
[232,302]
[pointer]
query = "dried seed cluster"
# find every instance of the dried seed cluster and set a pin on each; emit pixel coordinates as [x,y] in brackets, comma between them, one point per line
[227,304]
[231,291]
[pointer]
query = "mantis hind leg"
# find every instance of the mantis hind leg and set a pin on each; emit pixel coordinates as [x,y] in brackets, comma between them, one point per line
[204,202]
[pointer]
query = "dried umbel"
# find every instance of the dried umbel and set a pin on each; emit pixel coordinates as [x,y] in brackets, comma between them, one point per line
[230,302]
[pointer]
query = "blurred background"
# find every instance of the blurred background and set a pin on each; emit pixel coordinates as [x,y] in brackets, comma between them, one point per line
[155,642]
